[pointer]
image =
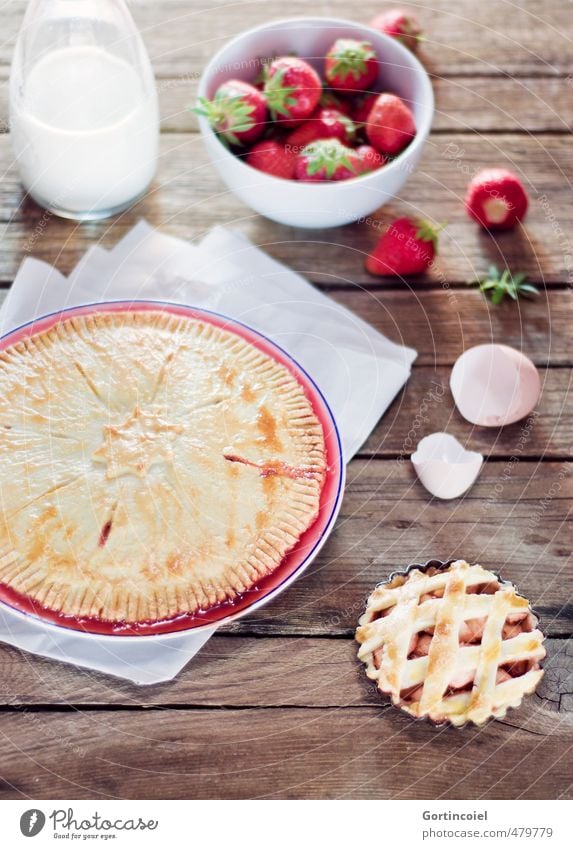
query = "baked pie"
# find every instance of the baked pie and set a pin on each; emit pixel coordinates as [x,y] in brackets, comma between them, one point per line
[152,465]
[452,643]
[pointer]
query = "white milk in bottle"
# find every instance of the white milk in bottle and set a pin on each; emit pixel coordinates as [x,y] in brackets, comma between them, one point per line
[83,111]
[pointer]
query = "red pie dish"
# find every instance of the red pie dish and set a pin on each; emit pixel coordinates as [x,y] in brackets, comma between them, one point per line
[164,468]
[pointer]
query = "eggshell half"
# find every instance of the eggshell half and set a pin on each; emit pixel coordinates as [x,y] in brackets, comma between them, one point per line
[494,385]
[444,466]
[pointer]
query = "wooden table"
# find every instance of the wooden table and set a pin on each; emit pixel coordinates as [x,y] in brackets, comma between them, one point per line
[276,705]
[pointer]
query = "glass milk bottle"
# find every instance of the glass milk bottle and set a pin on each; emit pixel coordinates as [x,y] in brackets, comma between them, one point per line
[84,118]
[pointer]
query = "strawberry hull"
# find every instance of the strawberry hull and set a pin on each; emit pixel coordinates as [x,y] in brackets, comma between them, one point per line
[292,90]
[496,199]
[237,113]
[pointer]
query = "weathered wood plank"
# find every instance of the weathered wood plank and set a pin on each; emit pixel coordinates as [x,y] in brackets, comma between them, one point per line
[505,103]
[440,327]
[426,405]
[237,671]
[188,198]
[280,753]
[495,37]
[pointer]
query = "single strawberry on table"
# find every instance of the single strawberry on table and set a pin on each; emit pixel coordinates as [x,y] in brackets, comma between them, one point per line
[496,198]
[237,113]
[399,24]
[328,159]
[351,65]
[408,246]
[272,157]
[390,125]
[292,90]
[325,123]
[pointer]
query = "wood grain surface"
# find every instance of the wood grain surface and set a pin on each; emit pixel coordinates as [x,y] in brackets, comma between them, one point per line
[188,198]
[276,705]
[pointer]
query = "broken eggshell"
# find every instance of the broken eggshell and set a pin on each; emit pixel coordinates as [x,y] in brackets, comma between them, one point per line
[444,466]
[494,385]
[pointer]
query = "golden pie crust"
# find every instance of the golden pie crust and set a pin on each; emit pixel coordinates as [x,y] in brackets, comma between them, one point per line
[151,465]
[452,644]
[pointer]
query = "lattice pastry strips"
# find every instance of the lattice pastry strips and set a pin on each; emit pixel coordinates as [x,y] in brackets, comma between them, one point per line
[453,644]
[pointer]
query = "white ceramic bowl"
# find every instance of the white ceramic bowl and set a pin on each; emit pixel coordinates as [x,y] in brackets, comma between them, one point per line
[317,204]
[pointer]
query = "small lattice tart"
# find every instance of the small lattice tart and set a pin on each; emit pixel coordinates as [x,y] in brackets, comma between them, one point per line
[451,642]
[153,465]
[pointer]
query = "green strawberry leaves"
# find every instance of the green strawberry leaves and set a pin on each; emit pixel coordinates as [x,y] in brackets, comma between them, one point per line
[227,114]
[428,232]
[327,154]
[279,96]
[496,285]
[349,58]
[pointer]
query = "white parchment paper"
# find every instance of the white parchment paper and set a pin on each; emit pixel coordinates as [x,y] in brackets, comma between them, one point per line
[358,370]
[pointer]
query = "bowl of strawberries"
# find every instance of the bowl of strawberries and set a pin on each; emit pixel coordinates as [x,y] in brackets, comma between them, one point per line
[314,122]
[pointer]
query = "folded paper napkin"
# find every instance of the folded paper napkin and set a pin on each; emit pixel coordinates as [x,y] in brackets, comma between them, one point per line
[358,370]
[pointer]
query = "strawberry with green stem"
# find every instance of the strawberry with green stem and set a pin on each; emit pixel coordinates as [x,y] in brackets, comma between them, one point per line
[408,246]
[292,90]
[328,159]
[237,113]
[351,65]
[496,285]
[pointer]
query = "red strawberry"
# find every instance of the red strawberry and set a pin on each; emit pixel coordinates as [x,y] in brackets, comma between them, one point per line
[408,246]
[390,125]
[273,158]
[370,157]
[362,109]
[292,89]
[327,159]
[351,65]
[237,113]
[496,198]
[324,124]
[399,24]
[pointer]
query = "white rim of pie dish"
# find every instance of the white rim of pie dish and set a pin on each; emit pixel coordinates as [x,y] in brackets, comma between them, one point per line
[422,131]
[273,593]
